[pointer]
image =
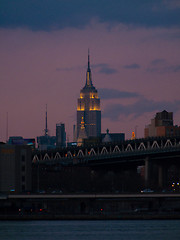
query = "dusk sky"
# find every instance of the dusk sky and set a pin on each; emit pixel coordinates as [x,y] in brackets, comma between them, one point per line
[134,53]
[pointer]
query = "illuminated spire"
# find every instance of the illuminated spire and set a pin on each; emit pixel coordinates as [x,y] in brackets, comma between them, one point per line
[88,61]
[82,123]
[82,133]
[88,73]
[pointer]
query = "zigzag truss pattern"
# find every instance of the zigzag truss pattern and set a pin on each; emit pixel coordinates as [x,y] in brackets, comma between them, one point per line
[117,149]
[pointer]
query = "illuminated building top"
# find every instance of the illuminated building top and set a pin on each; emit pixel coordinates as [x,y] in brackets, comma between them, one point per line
[88,108]
[88,95]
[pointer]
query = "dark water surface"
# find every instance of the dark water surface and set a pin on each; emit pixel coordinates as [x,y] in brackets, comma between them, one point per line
[95,230]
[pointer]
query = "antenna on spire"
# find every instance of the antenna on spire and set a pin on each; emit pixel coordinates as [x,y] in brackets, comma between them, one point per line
[88,73]
[7,127]
[46,129]
[88,60]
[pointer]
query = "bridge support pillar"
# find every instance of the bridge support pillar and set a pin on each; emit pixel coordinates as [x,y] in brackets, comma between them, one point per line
[148,170]
[162,176]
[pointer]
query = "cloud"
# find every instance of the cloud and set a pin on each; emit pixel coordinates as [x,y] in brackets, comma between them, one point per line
[139,108]
[132,66]
[164,69]
[107,93]
[104,68]
[101,68]
[158,61]
[53,14]
[173,4]
[161,66]
[175,68]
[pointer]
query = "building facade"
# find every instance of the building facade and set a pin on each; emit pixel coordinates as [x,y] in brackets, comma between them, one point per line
[88,108]
[15,168]
[162,126]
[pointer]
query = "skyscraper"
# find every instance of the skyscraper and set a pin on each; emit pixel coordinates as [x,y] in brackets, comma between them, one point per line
[60,135]
[88,108]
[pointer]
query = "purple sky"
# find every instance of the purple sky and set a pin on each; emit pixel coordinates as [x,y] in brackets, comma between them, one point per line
[135,62]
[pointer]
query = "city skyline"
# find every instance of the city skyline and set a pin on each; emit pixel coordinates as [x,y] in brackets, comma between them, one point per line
[135,62]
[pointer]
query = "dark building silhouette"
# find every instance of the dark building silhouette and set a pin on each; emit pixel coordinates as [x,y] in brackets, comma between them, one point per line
[88,109]
[112,137]
[60,135]
[46,142]
[18,140]
[15,168]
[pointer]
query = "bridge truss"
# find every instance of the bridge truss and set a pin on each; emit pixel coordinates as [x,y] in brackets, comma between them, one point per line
[97,154]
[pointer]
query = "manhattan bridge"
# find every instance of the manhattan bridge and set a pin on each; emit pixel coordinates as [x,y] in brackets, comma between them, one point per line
[156,155]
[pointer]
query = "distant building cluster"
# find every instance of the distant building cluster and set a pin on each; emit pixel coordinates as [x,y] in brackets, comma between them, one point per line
[162,126]
[87,129]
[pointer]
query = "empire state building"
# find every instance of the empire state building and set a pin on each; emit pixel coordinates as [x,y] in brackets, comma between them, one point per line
[88,109]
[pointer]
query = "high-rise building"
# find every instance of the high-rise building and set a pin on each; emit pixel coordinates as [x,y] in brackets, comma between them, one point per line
[88,108]
[162,126]
[60,135]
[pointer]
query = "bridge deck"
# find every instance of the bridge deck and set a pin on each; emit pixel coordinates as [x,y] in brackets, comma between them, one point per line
[93,196]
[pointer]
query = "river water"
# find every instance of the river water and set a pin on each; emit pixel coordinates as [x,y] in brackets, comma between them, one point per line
[91,230]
